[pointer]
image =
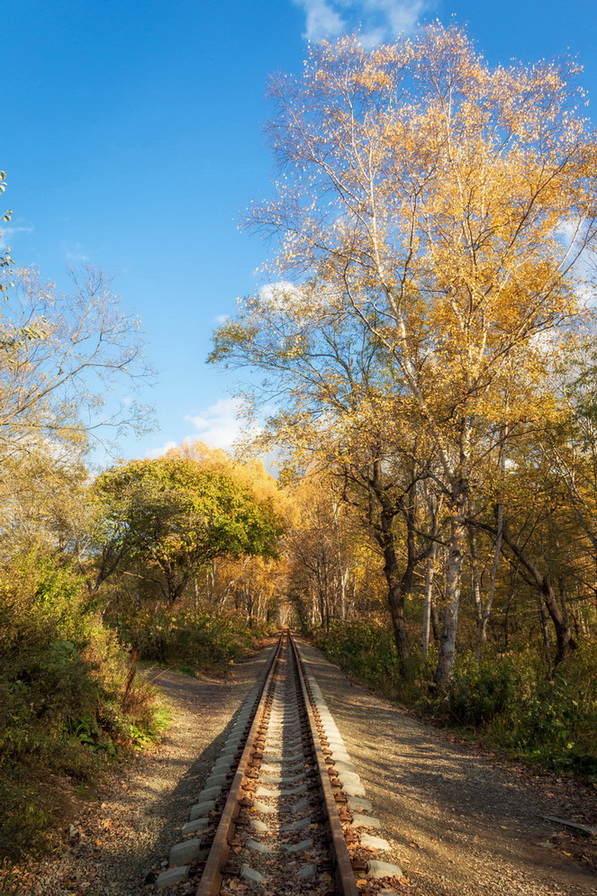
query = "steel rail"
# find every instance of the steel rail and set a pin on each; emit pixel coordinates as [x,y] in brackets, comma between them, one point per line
[343,872]
[211,878]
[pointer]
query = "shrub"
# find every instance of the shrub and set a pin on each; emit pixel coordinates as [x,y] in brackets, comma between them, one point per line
[507,698]
[188,638]
[481,690]
[554,721]
[366,650]
[62,676]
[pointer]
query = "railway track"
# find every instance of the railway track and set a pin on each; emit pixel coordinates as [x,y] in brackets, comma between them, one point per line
[283,811]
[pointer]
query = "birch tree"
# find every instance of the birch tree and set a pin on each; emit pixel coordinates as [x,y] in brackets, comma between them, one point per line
[63,360]
[448,204]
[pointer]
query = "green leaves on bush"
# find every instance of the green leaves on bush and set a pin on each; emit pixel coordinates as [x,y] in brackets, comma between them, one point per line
[62,677]
[505,698]
[481,690]
[187,638]
[367,651]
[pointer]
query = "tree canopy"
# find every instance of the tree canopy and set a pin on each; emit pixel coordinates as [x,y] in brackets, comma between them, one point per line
[433,217]
[168,518]
[63,359]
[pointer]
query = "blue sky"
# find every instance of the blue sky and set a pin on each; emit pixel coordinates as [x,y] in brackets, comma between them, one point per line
[133,140]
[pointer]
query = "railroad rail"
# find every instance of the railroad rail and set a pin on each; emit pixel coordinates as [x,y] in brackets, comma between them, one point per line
[283,810]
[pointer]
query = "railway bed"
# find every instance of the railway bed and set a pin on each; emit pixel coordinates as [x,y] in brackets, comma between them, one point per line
[283,810]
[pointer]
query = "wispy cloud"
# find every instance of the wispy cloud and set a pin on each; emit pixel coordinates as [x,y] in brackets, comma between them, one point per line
[74,254]
[219,425]
[375,21]
[7,232]
[222,425]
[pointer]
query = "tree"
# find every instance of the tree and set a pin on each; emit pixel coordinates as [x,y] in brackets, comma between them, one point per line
[43,496]
[61,360]
[570,442]
[445,205]
[336,382]
[536,531]
[250,582]
[5,259]
[320,554]
[166,519]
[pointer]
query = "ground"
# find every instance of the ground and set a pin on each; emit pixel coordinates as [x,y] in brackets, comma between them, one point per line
[460,822]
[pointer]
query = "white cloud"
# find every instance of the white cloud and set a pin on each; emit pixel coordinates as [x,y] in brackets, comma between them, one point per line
[219,425]
[572,233]
[401,15]
[157,452]
[7,232]
[376,21]
[281,295]
[569,230]
[322,20]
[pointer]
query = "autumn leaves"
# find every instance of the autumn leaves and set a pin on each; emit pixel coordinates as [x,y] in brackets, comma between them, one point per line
[441,208]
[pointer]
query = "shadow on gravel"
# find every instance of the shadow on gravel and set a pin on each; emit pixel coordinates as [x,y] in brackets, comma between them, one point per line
[442,800]
[173,806]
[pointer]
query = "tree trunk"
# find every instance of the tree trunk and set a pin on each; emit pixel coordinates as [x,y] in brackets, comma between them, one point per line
[396,592]
[447,650]
[486,608]
[483,621]
[565,643]
[508,607]
[130,676]
[396,602]
[475,578]
[428,599]
[544,632]
[435,623]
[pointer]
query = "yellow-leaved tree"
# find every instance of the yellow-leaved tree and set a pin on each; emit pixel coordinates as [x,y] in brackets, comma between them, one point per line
[445,205]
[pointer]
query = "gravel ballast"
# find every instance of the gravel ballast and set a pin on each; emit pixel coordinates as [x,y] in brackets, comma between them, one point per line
[458,822]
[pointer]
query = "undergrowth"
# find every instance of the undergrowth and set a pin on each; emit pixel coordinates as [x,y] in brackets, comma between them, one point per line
[508,700]
[187,639]
[62,690]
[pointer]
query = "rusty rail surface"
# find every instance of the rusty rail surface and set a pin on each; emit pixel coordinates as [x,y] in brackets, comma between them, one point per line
[211,879]
[215,866]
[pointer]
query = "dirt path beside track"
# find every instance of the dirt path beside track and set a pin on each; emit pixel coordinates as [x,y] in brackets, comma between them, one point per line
[129,825]
[459,822]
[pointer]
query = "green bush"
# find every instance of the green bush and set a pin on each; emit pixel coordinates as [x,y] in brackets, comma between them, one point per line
[507,699]
[367,651]
[554,721]
[515,705]
[188,638]
[62,676]
[481,690]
